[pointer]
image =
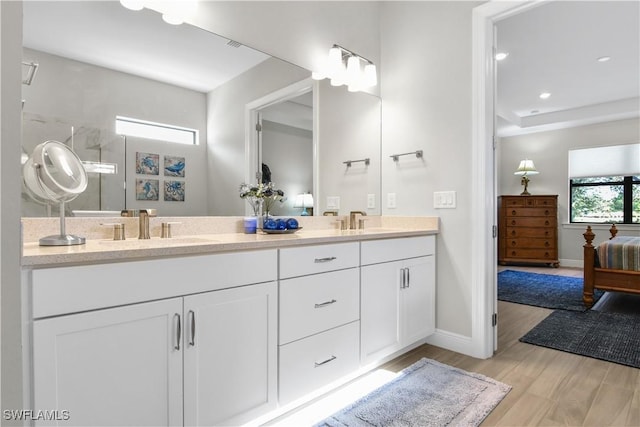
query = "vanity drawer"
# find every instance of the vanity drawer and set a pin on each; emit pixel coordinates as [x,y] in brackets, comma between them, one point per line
[377,251]
[318,259]
[313,304]
[313,362]
[64,290]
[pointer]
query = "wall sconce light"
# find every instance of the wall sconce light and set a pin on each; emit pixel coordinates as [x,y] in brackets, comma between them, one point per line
[304,201]
[345,67]
[526,168]
[173,12]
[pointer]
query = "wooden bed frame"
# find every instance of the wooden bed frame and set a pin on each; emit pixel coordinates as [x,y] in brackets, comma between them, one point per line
[603,278]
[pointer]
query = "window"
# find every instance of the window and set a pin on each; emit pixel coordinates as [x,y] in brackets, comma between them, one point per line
[160,131]
[605,184]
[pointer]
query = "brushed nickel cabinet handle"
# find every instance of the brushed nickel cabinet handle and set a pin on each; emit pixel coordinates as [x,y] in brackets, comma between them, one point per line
[192,314]
[324,362]
[408,277]
[325,304]
[326,259]
[178,332]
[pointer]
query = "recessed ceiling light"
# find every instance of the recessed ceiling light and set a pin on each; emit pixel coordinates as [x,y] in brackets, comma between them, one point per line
[545,95]
[604,58]
[502,55]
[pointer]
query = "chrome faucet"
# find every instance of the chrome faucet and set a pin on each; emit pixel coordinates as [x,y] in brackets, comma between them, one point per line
[352,218]
[143,223]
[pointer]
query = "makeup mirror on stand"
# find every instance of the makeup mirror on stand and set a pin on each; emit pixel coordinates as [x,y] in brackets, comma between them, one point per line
[55,174]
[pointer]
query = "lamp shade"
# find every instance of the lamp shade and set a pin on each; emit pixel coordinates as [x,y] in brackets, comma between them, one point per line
[303,201]
[526,167]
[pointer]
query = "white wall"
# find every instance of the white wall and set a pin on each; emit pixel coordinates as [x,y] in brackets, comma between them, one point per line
[426,93]
[10,250]
[548,150]
[349,129]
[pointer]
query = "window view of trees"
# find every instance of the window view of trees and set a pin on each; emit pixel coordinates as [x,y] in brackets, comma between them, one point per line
[606,199]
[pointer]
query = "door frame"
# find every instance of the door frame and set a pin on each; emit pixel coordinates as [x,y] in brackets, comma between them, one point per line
[251,111]
[483,243]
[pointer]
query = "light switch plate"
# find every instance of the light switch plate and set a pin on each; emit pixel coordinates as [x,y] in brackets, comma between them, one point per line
[391,201]
[371,201]
[444,200]
[333,202]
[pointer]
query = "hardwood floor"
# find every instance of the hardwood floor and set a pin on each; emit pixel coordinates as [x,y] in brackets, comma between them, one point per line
[550,388]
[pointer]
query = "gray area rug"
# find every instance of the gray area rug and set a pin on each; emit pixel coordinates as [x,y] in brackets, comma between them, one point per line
[427,393]
[614,337]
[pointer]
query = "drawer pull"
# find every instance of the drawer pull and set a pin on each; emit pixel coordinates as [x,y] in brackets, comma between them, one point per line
[327,259]
[325,304]
[514,212]
[331,359]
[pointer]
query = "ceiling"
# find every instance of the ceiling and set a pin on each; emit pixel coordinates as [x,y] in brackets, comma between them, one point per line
[554,48]
[105,33]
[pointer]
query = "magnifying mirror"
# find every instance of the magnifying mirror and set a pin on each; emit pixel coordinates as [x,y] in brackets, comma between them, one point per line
[55,174]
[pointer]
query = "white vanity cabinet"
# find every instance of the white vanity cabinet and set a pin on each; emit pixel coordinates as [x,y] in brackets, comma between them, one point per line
[119,366]
[203,353]
[397,295]
[319,317]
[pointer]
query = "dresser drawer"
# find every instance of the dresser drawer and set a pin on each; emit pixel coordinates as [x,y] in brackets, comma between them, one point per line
[313,362]
[526,212]
[539,254]
[532,243]
[524,232]
[318,259]
[313,304]
[531,222]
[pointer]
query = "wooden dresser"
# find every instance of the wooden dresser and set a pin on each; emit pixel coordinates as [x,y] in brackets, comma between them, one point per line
[528,229]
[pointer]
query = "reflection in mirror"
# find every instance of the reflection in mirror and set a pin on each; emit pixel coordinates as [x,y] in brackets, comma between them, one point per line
[89,73]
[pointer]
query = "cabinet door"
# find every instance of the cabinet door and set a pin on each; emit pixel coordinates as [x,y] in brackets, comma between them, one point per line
[417,300]
[230,364]
[119,366]
[380,310]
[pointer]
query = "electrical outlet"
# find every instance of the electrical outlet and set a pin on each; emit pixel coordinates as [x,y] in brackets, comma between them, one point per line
[371,201]
[333,203]
[391,201]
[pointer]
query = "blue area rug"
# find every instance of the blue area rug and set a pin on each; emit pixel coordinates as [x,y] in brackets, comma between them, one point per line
[542,290]
[614,337]
[427,393]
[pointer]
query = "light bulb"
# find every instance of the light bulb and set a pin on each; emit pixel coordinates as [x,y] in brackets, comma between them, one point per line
[353,70]
[334,63]
[133,4]
[370,76]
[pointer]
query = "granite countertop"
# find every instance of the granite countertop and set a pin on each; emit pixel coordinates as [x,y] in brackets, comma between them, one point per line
[106,250]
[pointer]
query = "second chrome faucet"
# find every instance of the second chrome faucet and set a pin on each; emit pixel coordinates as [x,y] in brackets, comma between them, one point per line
[352,218]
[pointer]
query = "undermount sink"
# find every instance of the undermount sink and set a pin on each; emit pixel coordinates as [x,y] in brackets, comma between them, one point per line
[157,242]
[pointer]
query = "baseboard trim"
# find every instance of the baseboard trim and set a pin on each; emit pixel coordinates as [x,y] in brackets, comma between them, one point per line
[577,263]
[454,342]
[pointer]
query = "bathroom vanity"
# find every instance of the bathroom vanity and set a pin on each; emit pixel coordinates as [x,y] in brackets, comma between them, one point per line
[218,329]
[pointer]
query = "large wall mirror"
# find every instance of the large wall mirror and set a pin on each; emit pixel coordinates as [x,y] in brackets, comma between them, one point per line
[97,61]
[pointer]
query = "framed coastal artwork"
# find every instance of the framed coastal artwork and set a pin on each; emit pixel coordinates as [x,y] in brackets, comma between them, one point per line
[174,191]
[174,166]
[147,189]
[147,163]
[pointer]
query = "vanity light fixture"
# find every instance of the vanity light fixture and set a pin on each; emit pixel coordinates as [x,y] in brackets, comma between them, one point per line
[526,168]
[345,67]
